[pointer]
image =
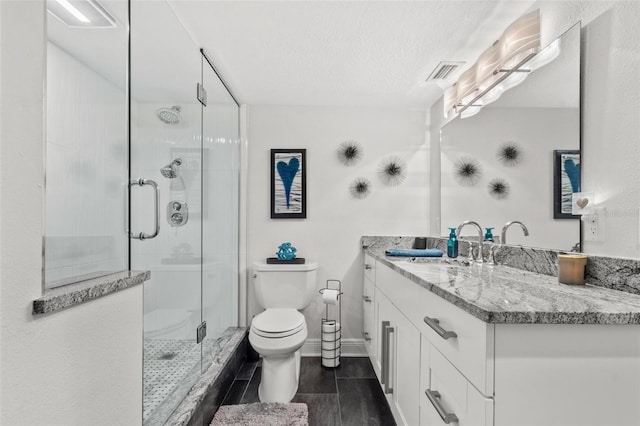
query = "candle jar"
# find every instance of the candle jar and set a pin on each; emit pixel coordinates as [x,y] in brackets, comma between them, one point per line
[572,268]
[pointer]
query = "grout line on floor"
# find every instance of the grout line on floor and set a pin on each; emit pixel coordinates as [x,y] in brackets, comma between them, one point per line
[335,377]
[228,391]
[246,387]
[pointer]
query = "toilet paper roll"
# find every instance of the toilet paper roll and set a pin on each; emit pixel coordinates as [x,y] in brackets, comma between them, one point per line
[330,335]
[330,296]
[328,344]
[330,326]
[330,362]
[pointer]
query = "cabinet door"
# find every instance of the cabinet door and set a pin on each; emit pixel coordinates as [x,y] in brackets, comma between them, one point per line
[425,381]
[369,330]
[381,307]
[406,373]
[452,399]
[400,361]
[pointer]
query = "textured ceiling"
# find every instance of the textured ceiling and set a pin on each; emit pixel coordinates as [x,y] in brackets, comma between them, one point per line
[342,53]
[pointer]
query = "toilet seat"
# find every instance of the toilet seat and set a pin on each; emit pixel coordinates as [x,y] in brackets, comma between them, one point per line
[278,323]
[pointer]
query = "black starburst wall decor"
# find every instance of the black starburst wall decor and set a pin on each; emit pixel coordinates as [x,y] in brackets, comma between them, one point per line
[467,171]
[509,154]
[499,188]
[392,170]
[350,153]
[360,188]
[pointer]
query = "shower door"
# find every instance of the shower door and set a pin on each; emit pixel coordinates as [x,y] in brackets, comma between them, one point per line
[166,134]
[221,164]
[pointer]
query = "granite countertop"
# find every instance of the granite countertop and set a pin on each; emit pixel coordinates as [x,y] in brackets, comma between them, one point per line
[506,295]
[56,299]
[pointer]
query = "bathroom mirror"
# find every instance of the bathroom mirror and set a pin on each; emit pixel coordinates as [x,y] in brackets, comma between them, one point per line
[509,144]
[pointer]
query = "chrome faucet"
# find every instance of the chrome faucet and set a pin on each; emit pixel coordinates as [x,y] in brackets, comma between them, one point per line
[480,236]
[503,238]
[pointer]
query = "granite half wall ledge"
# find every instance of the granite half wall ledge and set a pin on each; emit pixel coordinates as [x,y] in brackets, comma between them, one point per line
[609,272]
[62,297]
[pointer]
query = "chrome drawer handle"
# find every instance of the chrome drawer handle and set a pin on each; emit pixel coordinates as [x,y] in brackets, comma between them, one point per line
[366,299]
[434,323]
[388,382]
[367,266]
[366,336]
[434,398]
[384,350]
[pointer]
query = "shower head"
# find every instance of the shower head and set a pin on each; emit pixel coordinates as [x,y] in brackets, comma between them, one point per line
[170,171]
[170,115]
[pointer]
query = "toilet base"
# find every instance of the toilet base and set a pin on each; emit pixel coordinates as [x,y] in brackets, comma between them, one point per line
[279,381]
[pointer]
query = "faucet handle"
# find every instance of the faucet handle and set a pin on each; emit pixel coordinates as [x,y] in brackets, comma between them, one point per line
[470,256]
[492,255]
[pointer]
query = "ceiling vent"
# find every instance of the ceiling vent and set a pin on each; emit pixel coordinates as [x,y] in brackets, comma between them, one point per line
[444,70]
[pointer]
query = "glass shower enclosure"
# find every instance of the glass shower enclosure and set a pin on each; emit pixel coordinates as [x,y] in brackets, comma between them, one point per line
[184,184]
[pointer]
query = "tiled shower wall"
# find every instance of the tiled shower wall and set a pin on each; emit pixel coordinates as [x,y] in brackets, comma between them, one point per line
[86,171]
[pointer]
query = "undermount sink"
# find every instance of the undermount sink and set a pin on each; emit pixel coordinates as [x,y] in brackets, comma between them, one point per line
[442,271]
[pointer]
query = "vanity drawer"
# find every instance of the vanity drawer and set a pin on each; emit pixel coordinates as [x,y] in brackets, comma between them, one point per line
[369,268]
[471,350]
[450,394]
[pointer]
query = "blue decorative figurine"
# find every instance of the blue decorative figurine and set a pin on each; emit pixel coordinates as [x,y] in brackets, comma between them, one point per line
[286,251]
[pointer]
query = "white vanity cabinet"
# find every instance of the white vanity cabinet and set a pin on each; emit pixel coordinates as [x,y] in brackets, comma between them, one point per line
[399,357]
[369,333]
[441,364]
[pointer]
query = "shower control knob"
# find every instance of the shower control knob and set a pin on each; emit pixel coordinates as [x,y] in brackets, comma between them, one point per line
[177,213]
[176,218]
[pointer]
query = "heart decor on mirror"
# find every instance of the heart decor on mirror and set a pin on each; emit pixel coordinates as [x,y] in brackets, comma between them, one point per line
[582,202]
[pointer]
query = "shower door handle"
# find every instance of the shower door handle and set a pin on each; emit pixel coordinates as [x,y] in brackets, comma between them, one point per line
[156,194]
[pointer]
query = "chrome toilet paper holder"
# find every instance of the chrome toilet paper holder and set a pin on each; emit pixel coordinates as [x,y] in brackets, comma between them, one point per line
[330,328]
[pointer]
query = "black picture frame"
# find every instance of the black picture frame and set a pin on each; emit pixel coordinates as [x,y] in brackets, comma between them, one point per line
[288,186]
[563,187]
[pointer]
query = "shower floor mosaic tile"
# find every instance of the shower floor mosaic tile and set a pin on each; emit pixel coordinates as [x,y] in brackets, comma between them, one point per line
[166,363]
[171,367]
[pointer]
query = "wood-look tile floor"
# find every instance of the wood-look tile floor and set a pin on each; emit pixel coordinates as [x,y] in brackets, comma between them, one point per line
[348,395]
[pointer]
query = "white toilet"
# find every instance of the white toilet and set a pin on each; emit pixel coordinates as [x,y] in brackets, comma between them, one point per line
[279,332]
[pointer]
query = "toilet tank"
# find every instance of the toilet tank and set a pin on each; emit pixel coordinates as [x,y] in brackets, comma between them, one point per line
[281,286]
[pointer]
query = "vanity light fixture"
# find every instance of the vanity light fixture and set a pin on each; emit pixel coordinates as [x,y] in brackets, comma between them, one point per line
[500,67]
[81,13]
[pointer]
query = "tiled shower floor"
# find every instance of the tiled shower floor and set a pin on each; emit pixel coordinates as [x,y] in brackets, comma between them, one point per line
[166,363]
[171,367]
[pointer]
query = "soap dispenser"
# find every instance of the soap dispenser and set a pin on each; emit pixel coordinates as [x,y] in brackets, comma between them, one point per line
[488,235]
[452,244]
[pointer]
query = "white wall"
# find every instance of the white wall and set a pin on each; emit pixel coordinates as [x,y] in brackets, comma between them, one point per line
[610,111]
[537,131]
[335,221]
[81,366]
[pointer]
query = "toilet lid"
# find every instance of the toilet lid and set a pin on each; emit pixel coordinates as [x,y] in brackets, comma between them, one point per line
[278,322]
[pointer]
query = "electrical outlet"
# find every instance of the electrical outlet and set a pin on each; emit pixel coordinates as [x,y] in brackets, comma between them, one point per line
[594,225]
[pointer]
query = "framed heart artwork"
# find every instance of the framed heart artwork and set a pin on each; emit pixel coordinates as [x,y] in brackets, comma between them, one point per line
[566,182]
[288,184]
